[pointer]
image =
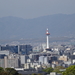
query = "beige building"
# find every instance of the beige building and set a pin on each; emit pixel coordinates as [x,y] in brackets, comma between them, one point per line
[55,62]
[11,62]
[64,58]
[8,61]
[27,66]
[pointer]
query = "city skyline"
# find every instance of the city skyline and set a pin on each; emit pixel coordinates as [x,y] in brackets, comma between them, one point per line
[26,46]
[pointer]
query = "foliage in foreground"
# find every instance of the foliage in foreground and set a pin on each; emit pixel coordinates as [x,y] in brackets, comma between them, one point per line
[57,69]
[69,71]
[36,74]
[48,70]
[8,71]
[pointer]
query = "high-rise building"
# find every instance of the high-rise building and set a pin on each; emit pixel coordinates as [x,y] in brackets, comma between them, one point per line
[23,59]
[11,61]
[12,48]
[18,49]
[41,59]
[24,49]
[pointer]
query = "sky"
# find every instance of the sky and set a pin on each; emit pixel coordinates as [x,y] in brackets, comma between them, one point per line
[29,9]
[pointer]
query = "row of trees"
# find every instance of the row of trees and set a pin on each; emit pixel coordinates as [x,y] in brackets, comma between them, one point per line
[36,74]
[68,71]
[11,71]
[56,69]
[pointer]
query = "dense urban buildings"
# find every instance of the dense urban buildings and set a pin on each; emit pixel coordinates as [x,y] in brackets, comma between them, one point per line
[25,57]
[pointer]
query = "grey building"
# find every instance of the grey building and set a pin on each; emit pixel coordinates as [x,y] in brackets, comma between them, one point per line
[23,59]
[24,49]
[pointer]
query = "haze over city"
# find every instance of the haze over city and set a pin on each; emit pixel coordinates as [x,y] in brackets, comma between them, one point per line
[29,9]
[37,37]
[25,18]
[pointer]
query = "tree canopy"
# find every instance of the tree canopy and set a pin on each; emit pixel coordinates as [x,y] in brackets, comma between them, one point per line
[58,68]
[11,71]
[1,69]
[70,70]
[48,70]
[8,71]
[34,74]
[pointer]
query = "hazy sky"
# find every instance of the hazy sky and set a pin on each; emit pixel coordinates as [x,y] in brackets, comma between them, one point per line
[35,8]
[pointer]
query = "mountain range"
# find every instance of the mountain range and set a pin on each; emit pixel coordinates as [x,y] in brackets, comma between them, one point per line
[18,28]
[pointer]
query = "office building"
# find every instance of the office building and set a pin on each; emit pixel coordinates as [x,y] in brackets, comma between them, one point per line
[18,49]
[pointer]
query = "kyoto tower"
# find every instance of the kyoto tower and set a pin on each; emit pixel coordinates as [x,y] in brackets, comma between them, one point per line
[47,45]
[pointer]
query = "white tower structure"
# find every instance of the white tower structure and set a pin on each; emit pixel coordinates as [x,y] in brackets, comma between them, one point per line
[47,45]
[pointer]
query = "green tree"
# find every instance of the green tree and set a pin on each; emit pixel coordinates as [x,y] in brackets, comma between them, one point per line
[39,74]
[69,71]
[11,71]
[58,68]
[48,70]
[19,74]
[1,69]
[4,73]
[34,74]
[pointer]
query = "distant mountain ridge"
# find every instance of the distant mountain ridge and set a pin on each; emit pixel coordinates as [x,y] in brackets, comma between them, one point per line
[59,25]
